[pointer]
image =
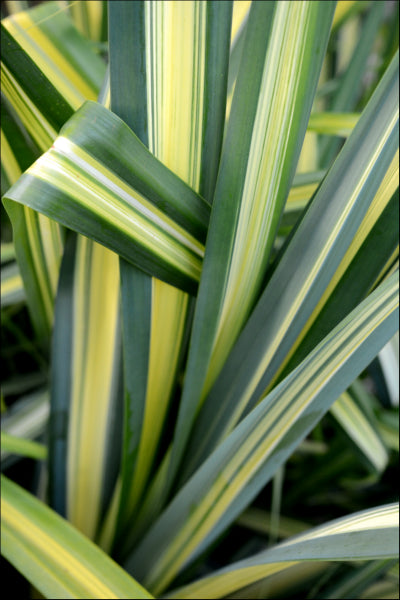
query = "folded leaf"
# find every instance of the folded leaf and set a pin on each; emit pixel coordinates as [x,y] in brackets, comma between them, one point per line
[48,70]
[111,189]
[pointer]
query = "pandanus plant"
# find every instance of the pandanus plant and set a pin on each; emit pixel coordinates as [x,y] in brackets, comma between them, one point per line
[204,264]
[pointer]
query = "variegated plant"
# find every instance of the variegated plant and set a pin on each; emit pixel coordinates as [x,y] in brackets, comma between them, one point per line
[204,198]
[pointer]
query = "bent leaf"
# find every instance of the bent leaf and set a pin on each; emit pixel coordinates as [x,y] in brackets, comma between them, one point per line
[370,534]
[111,189]
[27,419]
[48,70]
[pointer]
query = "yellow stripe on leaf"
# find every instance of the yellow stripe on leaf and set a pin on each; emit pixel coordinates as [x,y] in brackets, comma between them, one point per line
[386,190]
[93,352]
[69,83]
[271,137]
[239,15]
[52,554]
[35,123]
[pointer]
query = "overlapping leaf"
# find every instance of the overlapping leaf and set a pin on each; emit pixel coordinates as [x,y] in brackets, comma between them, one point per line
[357,426]
[161,106]
[90,18]
[347,93]
[281,58]
[48,70]
[355,194]
[236,471]
[168,70]
[38,241]
[85,183]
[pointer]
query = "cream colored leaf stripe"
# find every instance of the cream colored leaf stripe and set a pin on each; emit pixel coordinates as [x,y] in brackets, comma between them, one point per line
[88,17]
[303,396]
[299,196]
[343,8]
[29,421]
[37,228]
[367,535]
[75,85]
[341,124]
[169,308]
[70,81]
[242,231]
[177,36]
[96,171]
[45,250]
[58,559]
[240,13]
[244,221]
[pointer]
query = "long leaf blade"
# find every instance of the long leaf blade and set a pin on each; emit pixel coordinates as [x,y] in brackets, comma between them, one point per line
[252,183]
[370,534]
[168,82]
[86,405]
[55,557]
